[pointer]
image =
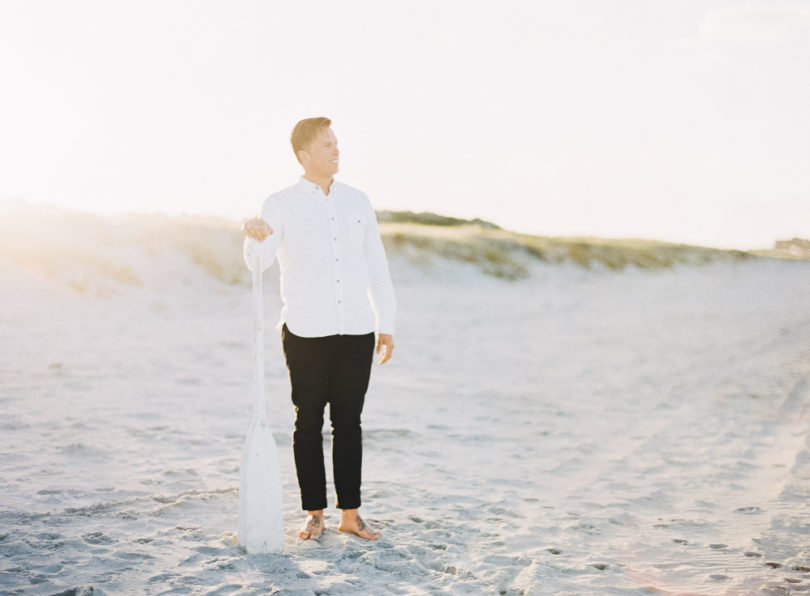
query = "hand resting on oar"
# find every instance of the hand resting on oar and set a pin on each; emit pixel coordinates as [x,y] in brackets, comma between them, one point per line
[257,228]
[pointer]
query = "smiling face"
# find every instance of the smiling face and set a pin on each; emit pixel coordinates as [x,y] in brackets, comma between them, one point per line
[321,158]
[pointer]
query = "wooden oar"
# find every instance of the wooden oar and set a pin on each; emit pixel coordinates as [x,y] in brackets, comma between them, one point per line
[261,528]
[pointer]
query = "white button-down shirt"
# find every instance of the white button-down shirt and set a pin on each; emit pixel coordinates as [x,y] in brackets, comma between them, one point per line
[334,273]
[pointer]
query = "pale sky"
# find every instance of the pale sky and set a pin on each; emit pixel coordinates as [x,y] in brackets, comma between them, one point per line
[686,120]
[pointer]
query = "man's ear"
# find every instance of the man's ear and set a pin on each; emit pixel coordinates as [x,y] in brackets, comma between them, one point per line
[303,156]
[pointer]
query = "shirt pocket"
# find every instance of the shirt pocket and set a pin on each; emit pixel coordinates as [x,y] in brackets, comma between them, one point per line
[357,228]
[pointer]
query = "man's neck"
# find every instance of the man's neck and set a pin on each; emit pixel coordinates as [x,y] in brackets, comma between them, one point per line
[325,182]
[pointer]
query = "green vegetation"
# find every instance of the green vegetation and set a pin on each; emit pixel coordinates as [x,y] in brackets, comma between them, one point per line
[430,219]
[93,254]
[509,255]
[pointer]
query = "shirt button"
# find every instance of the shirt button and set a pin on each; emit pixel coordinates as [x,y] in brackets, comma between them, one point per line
[335,239]
[339,302]
[336,260]
[338,281]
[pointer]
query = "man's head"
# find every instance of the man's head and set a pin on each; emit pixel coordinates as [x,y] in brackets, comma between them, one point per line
[315,146]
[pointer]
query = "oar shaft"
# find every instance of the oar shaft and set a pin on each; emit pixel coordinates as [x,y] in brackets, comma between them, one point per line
[259,404]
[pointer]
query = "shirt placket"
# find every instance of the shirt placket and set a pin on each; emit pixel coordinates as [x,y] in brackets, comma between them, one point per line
[337,262]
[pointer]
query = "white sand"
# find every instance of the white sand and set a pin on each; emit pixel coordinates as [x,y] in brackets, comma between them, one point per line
[574,433]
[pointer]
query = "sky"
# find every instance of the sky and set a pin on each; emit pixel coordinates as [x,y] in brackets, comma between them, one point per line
[681,120]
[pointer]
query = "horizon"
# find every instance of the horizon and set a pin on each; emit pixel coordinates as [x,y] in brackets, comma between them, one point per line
[22,203]
[683,123]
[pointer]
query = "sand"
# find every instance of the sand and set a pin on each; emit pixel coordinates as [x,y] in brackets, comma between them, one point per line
[576,432]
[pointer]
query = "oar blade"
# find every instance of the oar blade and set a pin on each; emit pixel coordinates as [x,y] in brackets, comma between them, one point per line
[261,527]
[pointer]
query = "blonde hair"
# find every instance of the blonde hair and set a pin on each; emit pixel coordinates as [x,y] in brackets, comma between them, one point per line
[305,132]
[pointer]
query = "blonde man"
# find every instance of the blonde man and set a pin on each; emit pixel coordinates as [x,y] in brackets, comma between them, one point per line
[336,292]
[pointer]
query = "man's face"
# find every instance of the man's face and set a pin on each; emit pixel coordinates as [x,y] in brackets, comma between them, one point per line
[322,156]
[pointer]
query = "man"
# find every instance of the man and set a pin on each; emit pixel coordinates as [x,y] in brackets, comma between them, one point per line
[336,291]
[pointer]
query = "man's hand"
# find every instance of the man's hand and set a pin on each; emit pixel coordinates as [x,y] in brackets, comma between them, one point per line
[256,228]
[385,347]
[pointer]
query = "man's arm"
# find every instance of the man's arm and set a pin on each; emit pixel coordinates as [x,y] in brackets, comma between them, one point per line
[381,290]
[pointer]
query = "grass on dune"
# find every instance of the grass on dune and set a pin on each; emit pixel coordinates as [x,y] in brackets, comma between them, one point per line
[54,245]
[82,250]
[509,255]
[213,244]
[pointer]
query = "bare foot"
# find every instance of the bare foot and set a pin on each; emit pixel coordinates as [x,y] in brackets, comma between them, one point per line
[313,528]
[358,526]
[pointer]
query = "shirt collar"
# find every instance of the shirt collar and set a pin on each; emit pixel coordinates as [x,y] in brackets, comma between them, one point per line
[313,188]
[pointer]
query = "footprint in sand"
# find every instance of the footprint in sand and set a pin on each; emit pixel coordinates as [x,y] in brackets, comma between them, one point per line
[748,510]
[751,553]
[554,551]
[773,565]
[718,546]
[680,541]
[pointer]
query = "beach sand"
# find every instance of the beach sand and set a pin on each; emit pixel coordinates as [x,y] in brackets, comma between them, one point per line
[576,432]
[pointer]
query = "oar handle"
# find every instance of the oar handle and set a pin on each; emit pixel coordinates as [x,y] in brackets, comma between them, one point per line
[259,403]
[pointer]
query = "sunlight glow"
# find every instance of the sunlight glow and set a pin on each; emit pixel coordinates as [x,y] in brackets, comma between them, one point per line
[682,121]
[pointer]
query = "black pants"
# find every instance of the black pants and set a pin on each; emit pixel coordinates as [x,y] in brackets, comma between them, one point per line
[334,370]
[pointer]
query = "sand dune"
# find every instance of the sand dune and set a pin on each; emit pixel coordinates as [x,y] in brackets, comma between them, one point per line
[545,427]
[80,249]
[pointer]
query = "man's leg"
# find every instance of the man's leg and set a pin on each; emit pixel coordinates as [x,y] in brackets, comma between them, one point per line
[352,357]
[308,361]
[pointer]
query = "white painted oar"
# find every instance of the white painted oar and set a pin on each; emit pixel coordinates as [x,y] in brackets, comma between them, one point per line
[261,528]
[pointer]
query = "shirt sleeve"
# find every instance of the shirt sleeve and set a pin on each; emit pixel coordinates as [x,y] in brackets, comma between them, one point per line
[380,289]
[266,250]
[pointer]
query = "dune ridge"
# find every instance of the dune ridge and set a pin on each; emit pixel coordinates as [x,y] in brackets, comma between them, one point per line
[95,254]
